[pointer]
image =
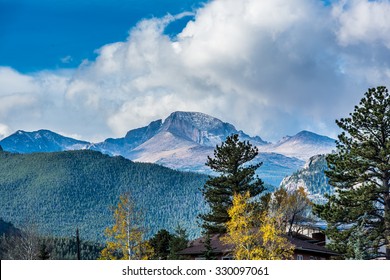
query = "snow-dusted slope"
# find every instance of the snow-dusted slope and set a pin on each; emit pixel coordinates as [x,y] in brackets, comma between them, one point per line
[134,138]
[311,177]
[303,145]
[172,151]
[183,141]
[164,144]
[40,141]
[203,129]
[186,139]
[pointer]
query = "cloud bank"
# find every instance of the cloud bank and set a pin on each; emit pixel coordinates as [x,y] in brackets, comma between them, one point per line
[270,67]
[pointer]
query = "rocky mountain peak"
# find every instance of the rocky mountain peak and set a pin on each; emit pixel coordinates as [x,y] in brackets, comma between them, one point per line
[145,132]
[198,120]
[314,160]
[307,136]
[40,141]
[198,127]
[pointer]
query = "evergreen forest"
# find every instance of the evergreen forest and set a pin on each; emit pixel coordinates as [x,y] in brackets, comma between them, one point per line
[55,193]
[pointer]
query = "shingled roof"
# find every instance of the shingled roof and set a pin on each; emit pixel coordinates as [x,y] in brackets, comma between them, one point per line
[197,246]
[301,243]
[308,246]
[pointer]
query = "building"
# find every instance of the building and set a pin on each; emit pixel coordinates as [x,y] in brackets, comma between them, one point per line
[306,248]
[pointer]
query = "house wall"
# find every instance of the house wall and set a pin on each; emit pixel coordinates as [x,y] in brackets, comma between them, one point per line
[300,255]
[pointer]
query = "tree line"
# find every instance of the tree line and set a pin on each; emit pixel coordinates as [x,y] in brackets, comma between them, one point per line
[62,191]
[357,213]
[257,223]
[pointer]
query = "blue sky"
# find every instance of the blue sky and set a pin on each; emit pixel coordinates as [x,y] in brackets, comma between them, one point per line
[44,34]
[96,69]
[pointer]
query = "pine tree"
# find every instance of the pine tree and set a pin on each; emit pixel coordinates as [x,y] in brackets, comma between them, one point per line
[160,243]
[231,161]
[358,244]
[78,244]
[178,242]
[209,250]
[360,174]
[43,253]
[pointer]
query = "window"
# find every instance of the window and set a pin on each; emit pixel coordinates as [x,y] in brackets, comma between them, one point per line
[299,257]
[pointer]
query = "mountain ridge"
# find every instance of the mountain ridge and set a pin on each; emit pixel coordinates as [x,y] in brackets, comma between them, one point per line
[183,141]
[302,145]
[42,140]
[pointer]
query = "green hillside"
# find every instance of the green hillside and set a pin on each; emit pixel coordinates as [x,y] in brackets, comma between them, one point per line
[7,228]
[312,177]
[58,192]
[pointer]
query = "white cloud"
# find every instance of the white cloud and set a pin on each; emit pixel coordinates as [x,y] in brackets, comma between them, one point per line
[363,21]
[4,131]
[270,67]
[13,82]
[17,92]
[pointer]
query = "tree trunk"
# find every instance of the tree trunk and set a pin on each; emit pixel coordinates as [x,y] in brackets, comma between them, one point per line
[387,226]
[78,244]
[387,214]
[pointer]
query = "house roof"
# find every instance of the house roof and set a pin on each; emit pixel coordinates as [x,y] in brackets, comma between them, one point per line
[197,246]
[307,246]
[301,243]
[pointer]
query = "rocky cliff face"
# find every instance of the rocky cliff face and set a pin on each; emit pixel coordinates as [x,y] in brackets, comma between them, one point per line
[311,177]
[134,138]
[197,127]
[183,141]
[138,136]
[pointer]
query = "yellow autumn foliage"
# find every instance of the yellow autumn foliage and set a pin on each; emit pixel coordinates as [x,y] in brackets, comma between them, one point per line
[290,207]
[253,236]
[125,236]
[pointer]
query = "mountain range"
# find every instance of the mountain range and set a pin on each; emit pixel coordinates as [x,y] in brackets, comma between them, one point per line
[58,182]
[182,142]
[40,141]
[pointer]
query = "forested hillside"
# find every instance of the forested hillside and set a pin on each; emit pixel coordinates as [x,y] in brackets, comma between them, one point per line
[312,178]
[59,192]
[7,228]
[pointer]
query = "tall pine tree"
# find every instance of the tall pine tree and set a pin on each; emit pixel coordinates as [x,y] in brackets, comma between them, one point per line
[178,242]
[360,173]
[237,176]
[160,243]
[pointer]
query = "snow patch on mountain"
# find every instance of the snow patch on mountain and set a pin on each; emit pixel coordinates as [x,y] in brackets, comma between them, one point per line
[183,141]
[303,145]
[203,129]
[164,144]
[40,141]
[123,146]
[312,178]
